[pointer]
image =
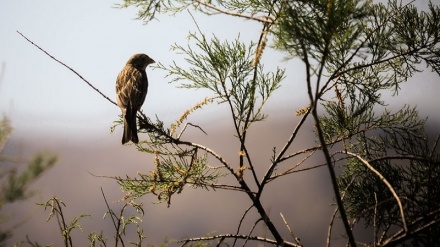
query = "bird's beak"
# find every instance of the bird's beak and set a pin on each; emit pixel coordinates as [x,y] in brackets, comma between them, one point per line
[152,61]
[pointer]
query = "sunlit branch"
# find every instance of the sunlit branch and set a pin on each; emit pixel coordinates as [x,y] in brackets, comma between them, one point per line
[224,236]
[307,150]
[330,227]
[291,170]
[295,171]
[297,240]
[186,125]
[385,181]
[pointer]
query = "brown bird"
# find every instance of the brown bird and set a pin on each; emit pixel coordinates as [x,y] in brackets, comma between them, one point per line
[131,89]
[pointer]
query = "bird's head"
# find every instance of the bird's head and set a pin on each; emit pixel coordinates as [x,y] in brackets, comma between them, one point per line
[140,61]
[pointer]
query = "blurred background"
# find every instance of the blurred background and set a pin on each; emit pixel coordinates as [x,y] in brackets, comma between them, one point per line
[52,110]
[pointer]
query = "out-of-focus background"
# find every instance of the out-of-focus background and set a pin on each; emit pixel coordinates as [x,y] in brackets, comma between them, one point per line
[54,111]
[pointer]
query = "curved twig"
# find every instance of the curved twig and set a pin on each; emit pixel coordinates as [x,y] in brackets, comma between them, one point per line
[241,220]
[385,181]
[186,125]
[252,230]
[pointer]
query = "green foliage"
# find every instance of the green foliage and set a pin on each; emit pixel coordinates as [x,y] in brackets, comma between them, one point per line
[121,222]
[317,27]
[56,209]
[149,9]
[172,173]
[17,184]
[394,143]
[230,71]
[5,131]
[353,52]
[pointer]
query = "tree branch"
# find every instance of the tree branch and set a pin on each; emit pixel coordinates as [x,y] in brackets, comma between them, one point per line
[74,71]
[112,216]
[264,18]
[279,157]
[401,235]
[224,236]
[385,181]
[313,109]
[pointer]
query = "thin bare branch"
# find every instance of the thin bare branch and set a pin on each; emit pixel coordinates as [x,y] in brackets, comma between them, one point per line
[184,128]
[241,221]
[112,216]
[224,236]
[312,150]
[290,170]
[297,240]
[295,171]
[252,230]
[74,71]
[279,157]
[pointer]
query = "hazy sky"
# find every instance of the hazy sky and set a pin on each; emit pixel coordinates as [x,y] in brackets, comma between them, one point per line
[52,109]
[95,39]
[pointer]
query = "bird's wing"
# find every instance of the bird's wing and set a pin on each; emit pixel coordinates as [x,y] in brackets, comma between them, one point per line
[131,88]
[142,87]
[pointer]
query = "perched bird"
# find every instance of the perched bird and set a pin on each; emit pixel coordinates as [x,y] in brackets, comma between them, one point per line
[131,89]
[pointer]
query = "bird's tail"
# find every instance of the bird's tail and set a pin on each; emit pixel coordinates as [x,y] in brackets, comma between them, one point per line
[130,129]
